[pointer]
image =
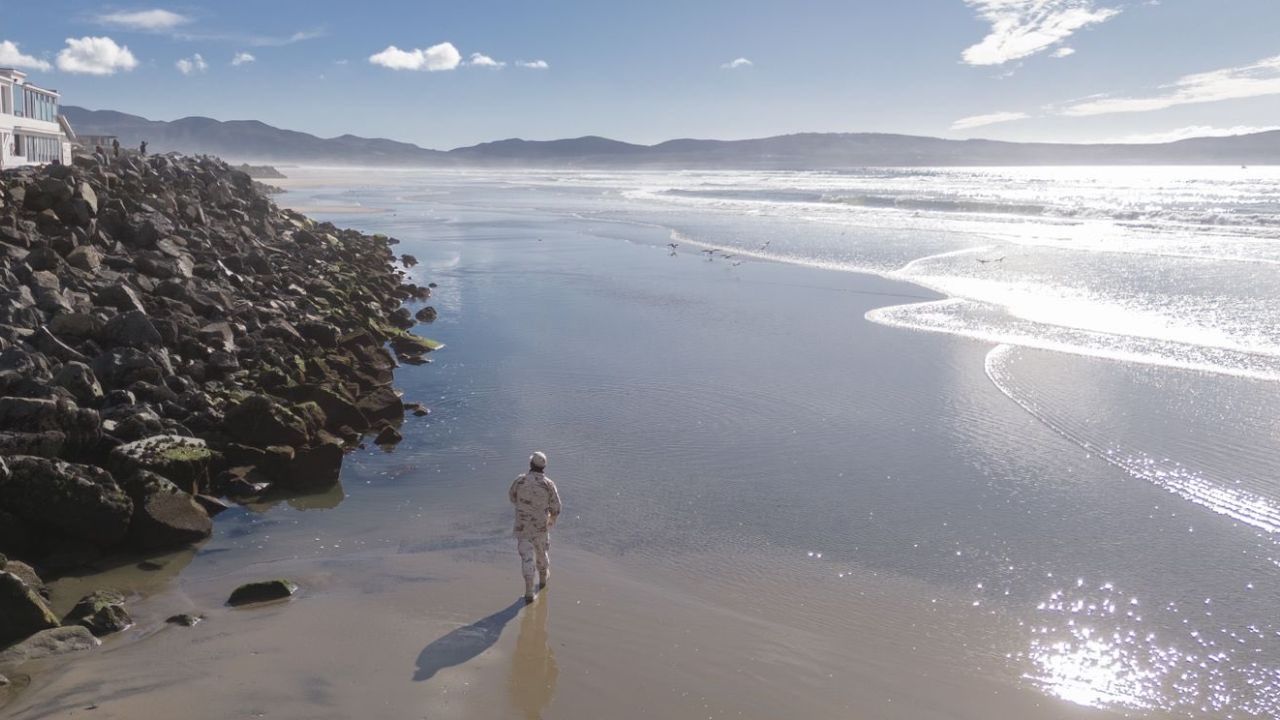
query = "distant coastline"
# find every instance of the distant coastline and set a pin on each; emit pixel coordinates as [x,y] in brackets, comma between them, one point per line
[251,140]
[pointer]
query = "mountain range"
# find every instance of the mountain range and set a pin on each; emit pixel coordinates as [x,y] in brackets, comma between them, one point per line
[251,140]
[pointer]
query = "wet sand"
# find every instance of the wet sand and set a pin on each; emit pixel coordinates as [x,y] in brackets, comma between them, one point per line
[775,508]
[440,634]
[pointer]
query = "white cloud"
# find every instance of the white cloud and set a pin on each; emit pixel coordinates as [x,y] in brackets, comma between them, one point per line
[191,65]
[243,58]
[533,64]
[156,19]
[1064,52]
[1020,28]
[974,121]
[1254,80]
[11,56]
[95,56]
[482,60]
[737,63]
[443,56]
[1193,131]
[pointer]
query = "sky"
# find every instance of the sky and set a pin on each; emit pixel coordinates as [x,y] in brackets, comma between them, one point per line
[445,74]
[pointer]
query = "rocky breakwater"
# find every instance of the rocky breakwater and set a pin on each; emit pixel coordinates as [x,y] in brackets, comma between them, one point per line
[170,338]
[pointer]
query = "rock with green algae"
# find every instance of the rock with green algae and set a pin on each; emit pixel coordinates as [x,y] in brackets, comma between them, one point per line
[184,461]
[22,611]
[102,612]
[262,591]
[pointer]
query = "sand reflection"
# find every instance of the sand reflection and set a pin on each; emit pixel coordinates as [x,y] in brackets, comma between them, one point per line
[532,683]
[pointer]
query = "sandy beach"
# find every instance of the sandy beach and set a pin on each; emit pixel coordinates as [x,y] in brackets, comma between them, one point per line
[774,508]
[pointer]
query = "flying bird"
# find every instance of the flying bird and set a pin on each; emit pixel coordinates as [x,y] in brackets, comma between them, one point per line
[984,261]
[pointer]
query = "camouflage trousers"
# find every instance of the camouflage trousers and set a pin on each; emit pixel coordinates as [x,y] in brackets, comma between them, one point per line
[533,555]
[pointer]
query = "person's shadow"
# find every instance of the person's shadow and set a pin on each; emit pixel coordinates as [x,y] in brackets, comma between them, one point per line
[465,643]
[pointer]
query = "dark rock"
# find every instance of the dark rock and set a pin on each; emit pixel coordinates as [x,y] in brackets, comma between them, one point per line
[263,591]
[184,619]
[426,315]
[381,404]
[102,612]
[85,258]
[122,298]
[164,516]
[316,467]
[79,501]
[80,381]
[388,436]
[22,611]
[47,343]
[258,420]
[76,325]
[131,329]
[401,318]
[14,536]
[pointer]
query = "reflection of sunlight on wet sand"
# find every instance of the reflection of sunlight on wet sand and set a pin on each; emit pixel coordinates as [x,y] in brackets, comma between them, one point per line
[1092,673]
[532,684]
[1098,650]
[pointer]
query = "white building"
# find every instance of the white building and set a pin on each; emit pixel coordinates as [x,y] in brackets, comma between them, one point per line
[30,133]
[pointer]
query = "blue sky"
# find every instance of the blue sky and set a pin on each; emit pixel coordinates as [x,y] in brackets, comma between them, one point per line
[443,74]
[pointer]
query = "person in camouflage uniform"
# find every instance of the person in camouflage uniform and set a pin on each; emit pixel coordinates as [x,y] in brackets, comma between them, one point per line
[537,505]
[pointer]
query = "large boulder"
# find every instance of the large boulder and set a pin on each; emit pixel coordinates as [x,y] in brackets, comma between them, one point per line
[102,612]
[79,501]
[121,297]
[260,421]
[381,404]
[45,427]
[182,460]
[22,611]
[131,329]
[79,380]
[164,516]
[315,467]
[48,643]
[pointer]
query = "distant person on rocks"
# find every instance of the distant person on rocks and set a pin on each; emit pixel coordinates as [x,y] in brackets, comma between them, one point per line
[537,506]
[115,147]
[143,148]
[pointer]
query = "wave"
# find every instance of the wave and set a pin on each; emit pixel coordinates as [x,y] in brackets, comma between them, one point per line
[1191,484]
[1174,214]
[981,321]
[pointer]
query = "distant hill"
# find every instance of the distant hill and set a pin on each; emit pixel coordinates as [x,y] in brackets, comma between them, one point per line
[250,140]
[241,140]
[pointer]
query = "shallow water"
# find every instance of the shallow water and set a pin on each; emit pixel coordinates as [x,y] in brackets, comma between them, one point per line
[773,503]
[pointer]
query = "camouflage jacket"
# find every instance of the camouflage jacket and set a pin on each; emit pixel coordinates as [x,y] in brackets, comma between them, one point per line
[536,500]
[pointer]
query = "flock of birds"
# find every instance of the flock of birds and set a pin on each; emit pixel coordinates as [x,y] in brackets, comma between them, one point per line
[711,252]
